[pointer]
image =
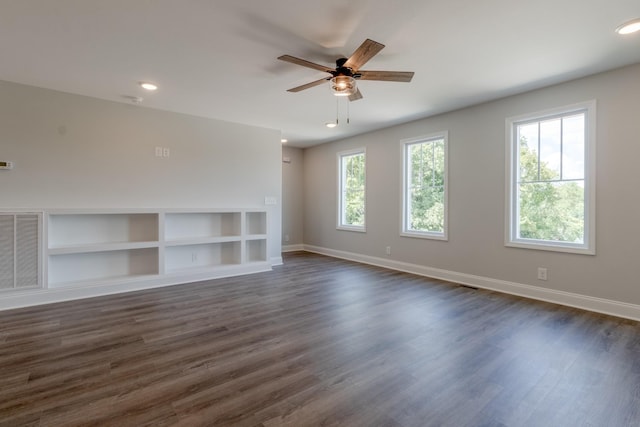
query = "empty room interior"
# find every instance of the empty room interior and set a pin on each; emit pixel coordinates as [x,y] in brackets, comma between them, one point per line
[364,213]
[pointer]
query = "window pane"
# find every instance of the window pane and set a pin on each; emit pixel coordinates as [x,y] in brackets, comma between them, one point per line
[573,147]
[527,137]
[550,146]
[355,208]
[552,211]
[438,163]
[427,210]
[420,155]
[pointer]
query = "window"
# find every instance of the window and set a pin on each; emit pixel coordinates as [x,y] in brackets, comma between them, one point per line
[551,180]
[424,201]
[351,190]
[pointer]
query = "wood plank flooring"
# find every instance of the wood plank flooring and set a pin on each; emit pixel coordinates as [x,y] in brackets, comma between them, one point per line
[317,342]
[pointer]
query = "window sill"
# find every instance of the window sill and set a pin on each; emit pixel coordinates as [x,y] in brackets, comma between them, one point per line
[357,229]
[572,249]
[424,235]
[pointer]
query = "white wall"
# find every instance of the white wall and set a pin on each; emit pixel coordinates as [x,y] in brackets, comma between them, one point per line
[292,197]
[477,193]
[78,152]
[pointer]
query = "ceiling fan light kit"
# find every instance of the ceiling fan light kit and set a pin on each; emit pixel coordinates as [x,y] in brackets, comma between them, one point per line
[343,86]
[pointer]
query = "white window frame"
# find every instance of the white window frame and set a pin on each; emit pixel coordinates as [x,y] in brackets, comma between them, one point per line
[405,208]
[588,247]
[340,224]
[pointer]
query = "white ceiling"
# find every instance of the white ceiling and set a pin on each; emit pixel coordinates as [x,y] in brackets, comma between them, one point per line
[217,58]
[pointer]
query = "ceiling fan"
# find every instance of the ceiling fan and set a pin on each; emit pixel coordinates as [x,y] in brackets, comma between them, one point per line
[343,77]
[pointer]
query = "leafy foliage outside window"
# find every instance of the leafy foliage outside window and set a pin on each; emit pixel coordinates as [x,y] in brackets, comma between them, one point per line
[425,186]
[352,189]
[549,209]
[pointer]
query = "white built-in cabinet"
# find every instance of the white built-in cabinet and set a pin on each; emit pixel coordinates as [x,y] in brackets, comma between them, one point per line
[102,248]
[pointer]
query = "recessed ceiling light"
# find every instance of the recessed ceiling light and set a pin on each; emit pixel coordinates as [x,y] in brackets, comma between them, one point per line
[148,86]
[284,140]
[629,27]
[331,124]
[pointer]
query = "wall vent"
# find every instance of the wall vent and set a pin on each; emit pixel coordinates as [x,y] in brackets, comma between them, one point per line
[20,250]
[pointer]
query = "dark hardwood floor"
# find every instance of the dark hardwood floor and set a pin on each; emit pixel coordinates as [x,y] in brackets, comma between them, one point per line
[317,342]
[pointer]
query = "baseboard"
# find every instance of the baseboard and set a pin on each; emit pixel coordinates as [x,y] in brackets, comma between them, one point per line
[598,305]
[31,297]
[292,248]
[276,260]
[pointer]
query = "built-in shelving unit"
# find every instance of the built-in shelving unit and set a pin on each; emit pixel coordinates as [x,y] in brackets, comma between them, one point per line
[90,248]
[115,251]
[256,237]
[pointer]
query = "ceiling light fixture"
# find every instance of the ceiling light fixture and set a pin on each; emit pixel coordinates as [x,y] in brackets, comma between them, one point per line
[148,86]
[343,85]
[284,141]
[331,124]
[629,27]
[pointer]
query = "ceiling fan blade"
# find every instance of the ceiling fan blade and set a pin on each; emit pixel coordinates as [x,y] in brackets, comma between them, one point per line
[387,76]
[308,85]
[367,50]
[356,96]
[305,63]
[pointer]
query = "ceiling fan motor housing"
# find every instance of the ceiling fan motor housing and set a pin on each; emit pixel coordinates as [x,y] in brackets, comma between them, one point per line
[341,70]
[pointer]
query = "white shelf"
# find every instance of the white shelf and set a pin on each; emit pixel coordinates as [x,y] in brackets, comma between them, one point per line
[202,240]
[256,237]
[105,281]
[102,247]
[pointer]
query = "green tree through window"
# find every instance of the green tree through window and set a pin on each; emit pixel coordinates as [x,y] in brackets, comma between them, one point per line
[352,189]
[549,208]
[424,187]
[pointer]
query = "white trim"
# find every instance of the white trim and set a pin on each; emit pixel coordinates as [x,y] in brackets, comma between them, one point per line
[276,260]
[292,248]
[584,302]
[339,224]
[404,231]
[356,228]
[511,160]
[39,296]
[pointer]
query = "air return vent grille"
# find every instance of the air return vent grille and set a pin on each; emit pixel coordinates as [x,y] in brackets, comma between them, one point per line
[20,250]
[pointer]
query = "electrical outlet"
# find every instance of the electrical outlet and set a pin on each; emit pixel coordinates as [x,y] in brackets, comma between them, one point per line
[158,151]
[286,237]
[166,152]
[388,250]
[542,273]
